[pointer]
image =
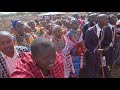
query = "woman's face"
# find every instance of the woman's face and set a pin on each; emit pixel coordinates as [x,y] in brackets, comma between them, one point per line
[58,33]
[20,29]
[75,25]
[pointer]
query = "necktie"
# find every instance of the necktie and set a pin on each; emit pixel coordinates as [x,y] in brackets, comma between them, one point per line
[100,35]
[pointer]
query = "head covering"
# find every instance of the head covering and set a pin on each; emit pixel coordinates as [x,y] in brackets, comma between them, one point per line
[118,23]
[14,21]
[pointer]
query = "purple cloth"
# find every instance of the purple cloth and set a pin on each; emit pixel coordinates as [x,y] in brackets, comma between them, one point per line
[14,21]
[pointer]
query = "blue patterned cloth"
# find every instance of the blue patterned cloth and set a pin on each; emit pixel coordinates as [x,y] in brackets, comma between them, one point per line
[76,64]
[76,61]
[73,51]
[14,21]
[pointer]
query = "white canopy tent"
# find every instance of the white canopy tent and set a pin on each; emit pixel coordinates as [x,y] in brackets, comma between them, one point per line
[51,13]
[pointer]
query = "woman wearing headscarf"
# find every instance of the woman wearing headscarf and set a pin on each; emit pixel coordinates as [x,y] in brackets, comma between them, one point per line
[13,21]
[73,40]
[21,38]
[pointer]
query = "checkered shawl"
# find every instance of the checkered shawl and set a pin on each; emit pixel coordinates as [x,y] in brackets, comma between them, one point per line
[3,67]
[27,68]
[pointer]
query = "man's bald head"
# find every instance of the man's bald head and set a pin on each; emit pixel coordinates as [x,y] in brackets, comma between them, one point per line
[5,33]
[43,53]
[41,45]
[6,43]
[92,17]
[102,17]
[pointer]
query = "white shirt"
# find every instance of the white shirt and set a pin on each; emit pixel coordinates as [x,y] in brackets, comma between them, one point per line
[98,30]
[110,26]
[11,62]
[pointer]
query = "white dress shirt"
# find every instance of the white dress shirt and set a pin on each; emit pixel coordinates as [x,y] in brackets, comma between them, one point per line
[98,30]
[11,62]
[110,26]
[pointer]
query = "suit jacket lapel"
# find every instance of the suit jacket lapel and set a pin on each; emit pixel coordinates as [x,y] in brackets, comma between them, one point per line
[95,32]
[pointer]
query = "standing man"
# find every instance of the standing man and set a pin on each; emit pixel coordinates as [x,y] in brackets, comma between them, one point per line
[109,38]
[90,23]
[92,39]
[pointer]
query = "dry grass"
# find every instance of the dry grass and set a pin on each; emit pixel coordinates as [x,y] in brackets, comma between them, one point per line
[5,22]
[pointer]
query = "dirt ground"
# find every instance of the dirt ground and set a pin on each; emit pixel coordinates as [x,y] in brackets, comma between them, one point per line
[115,72]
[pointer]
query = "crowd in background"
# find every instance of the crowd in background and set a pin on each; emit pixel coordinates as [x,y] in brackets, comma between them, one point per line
[61,46]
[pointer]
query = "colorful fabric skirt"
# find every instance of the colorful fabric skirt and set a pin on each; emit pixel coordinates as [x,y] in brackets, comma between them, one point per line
[76,64]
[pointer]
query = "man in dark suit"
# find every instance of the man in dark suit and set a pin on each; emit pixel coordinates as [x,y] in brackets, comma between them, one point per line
[92,38]
[108,42]
[90,23]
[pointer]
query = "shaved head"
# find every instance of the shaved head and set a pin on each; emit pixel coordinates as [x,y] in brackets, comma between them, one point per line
[41,45]
[102,17]
[6,43]
[43,53]
[5,33]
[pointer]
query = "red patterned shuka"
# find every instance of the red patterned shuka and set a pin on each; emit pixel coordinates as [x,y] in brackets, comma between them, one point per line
[26,68]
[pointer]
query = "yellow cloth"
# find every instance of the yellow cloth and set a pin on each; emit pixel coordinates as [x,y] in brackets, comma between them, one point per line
[13,31]
[30,39]
[38,29]
[27,40]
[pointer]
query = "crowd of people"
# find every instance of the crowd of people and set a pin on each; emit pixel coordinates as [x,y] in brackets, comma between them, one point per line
[61,47]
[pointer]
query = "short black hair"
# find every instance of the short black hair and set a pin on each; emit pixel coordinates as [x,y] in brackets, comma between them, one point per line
[101,16]
[111,15]
[40,44]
